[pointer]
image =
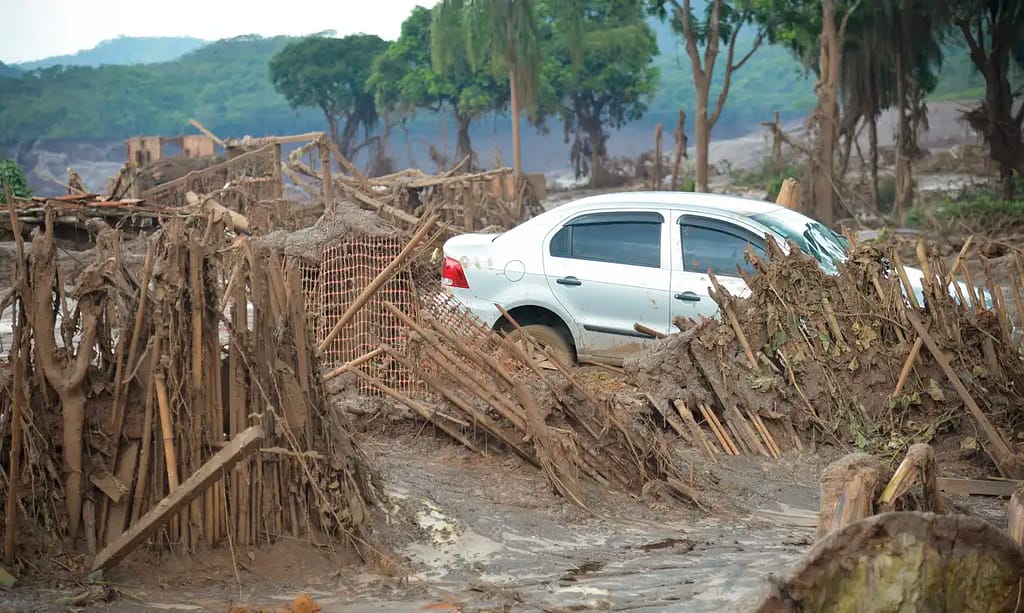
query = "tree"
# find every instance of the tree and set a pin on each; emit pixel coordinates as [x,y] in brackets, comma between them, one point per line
[504,34]
[331,74]
[807,27]
[405,79]
[992,30]
[13,175]
[721,23]
[612,85]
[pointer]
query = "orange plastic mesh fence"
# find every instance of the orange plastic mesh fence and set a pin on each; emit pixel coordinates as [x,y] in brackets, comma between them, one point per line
[345,270]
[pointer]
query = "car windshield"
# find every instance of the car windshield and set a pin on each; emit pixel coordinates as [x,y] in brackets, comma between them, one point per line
[810,236]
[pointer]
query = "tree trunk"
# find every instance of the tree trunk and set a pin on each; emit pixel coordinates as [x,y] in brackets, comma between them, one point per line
[72,403]
[517,166]
[702,134]
[598,176]
[345,145]
[823,160]
[464,148]
[332,130]
[873,154]
[904,180]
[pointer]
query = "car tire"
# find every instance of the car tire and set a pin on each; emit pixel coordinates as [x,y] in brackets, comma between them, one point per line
[546,337]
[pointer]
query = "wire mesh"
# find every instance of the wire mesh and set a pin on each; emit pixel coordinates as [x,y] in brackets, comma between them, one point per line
[345,271]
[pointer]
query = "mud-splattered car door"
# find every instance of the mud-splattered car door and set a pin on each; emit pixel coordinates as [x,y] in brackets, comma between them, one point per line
[610,270]
[701,243]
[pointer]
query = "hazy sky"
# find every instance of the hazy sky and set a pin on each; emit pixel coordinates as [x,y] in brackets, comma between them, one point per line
[34,29]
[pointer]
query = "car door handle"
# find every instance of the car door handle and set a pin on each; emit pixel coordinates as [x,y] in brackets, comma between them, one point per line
[688,297]
[569,281]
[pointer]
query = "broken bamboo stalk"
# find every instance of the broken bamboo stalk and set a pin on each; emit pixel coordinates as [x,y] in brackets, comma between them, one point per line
[908,366]
[381,278]
[479,417]
[1015,516]
[698,434]
[167,430]
[417,407]
[716,427]
[195,485]
[919,464]
[1007,462]
[763,431]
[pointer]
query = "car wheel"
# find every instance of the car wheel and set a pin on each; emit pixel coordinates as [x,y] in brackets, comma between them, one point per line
[544,343]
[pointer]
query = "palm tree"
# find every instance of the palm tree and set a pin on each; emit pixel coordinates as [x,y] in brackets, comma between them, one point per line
[503,33]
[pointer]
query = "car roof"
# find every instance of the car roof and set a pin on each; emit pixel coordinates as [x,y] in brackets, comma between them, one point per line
[677,200]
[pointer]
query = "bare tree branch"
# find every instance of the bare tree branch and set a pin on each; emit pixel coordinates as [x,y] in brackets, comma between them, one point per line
[757,43]
[846,19]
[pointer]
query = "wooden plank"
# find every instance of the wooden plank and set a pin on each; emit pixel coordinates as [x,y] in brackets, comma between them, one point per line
[194,486]
[1008,463]
[978,487]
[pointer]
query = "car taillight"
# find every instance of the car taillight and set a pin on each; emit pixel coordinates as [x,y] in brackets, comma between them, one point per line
[452,274]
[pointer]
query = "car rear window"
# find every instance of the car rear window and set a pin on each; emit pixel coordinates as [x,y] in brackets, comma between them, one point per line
[630,239]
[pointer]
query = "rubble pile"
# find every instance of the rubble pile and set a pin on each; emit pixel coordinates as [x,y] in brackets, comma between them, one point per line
[856,357]
[180,405]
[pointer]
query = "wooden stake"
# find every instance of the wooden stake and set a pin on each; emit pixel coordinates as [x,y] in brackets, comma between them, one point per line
[726,304]
[716,426]
[17,410]
[1008,463]
[908,288]
[195,485]
[168,431]
[147,432]
[908,365]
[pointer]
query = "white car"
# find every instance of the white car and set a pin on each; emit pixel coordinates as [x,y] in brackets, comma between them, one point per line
[578,277]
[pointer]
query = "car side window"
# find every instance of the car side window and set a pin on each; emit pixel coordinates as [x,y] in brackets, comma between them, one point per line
[633,239]
[718,246]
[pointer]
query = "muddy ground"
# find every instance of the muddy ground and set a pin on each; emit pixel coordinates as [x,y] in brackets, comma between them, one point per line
[475,534]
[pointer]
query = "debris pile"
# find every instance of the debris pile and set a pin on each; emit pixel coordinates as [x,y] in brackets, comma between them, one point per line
[132,396]
[497,392]
[463,201]
[855,357]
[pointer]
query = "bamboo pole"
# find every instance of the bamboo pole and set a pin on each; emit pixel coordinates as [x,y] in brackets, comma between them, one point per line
[168,432]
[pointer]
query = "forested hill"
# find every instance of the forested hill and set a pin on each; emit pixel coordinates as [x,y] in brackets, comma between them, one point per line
[124,50]
[8,71]
[225,84]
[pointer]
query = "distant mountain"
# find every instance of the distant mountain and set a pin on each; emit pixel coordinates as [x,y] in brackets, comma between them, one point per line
[124,50]
[8,71]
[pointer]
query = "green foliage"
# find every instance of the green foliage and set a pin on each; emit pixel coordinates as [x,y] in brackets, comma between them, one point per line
[330,74]
[9,71]
[224,84]
[615,80]
[791,171]
[497,34]
[13,175]
[689,185]
[404,77]
[124,50]
[982,207]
